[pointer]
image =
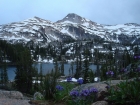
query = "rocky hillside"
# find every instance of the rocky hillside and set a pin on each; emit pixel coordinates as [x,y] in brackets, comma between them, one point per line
[71,27]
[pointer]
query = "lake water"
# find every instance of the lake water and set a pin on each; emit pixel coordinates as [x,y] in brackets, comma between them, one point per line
[46,67]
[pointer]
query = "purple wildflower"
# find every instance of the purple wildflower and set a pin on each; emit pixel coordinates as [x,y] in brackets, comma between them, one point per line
[93,90]
[85,92]
[59,87]
[74,93]
[106,73]
[107,87]
[69,79]
[80,81]
[110,73]
[137,56]
[138,69]
[123,70]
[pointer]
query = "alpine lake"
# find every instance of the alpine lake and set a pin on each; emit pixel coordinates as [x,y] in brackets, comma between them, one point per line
[46,68]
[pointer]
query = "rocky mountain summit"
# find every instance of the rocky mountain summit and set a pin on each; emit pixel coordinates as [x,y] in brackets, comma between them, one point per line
[71,27]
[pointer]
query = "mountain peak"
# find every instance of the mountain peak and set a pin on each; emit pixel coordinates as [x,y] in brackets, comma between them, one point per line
[36,17]
[72,17]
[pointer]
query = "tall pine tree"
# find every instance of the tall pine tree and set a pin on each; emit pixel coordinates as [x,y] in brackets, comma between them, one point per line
[24,71]
[85,66]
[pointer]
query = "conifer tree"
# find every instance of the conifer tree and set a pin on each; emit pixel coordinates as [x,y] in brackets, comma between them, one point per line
[41,74]
[56,68]
[62,68]
[85,66]
[5,75]
[24,71]
[77,69]
[80,64]
[1,74]
[97,63]
[71,68]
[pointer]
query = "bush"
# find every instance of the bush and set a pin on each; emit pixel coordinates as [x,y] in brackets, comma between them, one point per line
[125,93]
[49,86]
[62,91]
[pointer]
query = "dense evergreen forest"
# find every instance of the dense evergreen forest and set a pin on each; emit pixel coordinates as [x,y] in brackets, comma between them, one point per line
[20,56]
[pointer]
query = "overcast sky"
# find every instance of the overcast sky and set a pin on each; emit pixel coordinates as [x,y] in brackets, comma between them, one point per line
[100,11]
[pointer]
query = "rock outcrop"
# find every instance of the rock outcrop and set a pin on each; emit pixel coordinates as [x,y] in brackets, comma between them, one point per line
[100,103]
[11,94]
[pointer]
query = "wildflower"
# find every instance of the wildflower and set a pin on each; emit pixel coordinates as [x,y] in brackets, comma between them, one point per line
[69,79]
[80,81]
[138,69]
[85,92]
[59,87]
[110,73]
[93,90]
[137,57]
[107,87]
[74,93]
[123,70]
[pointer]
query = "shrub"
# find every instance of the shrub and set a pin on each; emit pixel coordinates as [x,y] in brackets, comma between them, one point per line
[50,84]
[125,93]
[62,91]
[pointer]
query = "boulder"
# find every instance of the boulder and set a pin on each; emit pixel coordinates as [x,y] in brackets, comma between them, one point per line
[113,82]
[38,96]
[11,94]
[100,103]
